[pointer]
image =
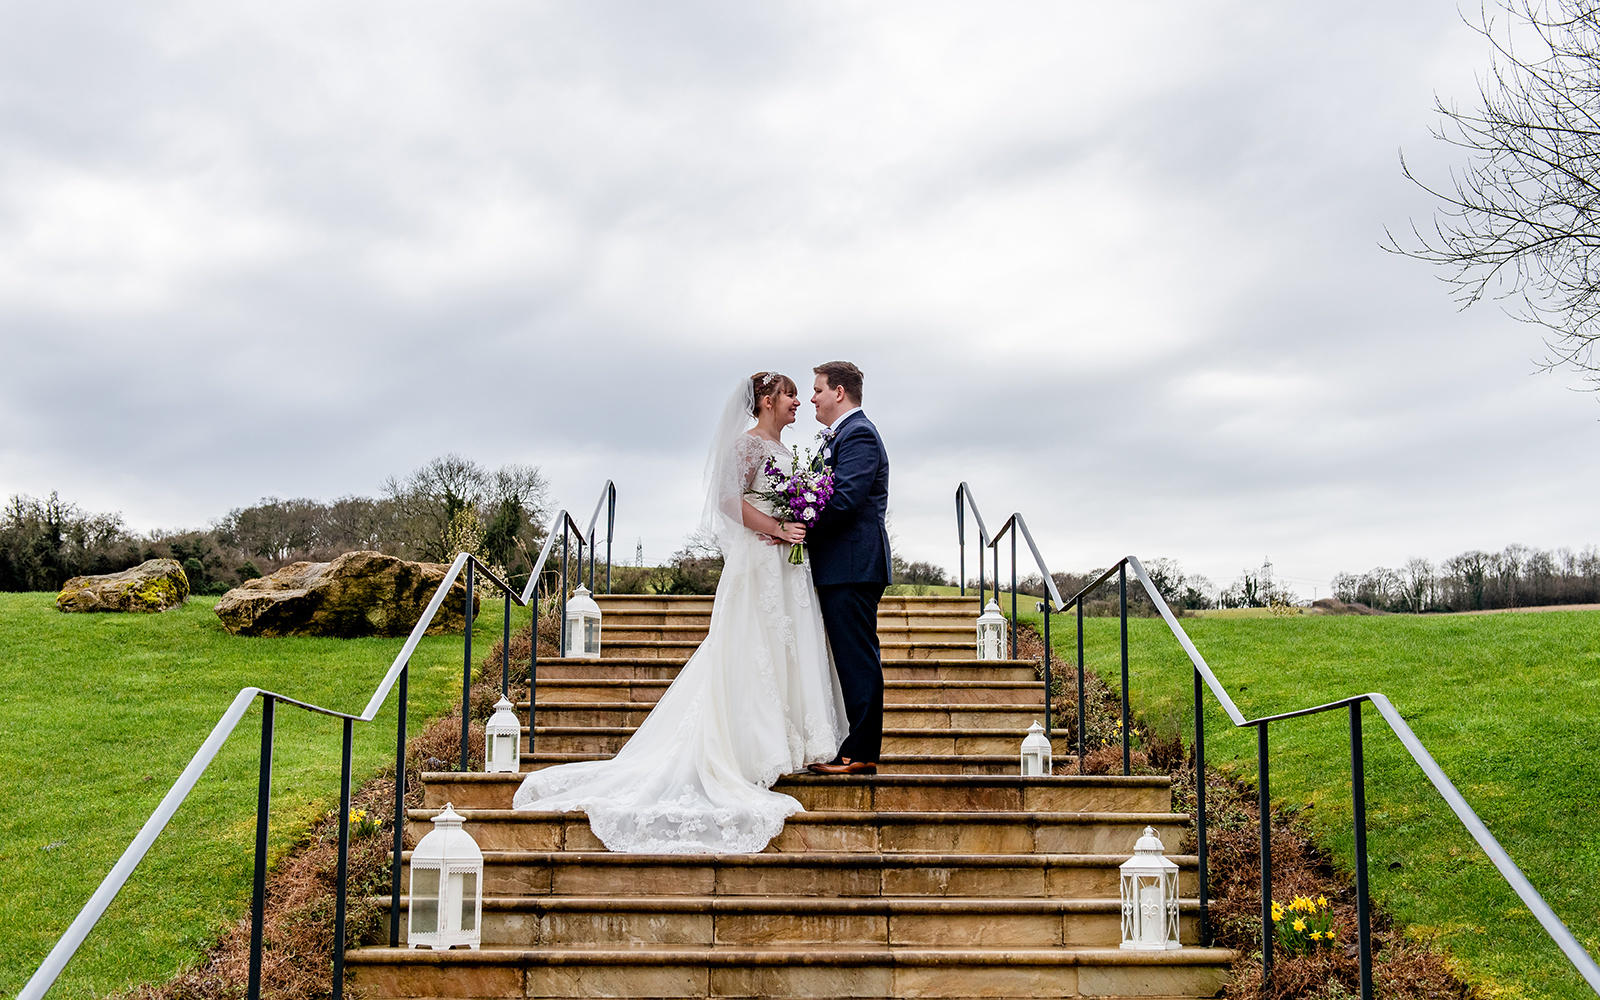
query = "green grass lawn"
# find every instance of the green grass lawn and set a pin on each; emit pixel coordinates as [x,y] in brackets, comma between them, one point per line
[100,713]
[1509,705]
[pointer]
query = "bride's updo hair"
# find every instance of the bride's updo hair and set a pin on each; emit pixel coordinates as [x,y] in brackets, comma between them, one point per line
[764,384]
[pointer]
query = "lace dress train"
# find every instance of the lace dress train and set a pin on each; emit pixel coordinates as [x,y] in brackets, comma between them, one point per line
[758,699]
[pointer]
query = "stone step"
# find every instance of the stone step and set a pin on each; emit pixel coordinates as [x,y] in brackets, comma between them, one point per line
[682,648]
[908,740]
[613,633]
[683,618]
[897,691]
[889,602]
[872,831]
[808,921]
[537,973]
[886,792]
[599,873]
[666,667]
[1014,718]
[889,763]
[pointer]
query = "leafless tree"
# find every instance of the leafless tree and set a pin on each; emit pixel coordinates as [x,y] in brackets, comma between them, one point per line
[1521,219]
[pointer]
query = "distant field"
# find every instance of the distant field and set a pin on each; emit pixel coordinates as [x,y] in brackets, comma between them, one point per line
[100,713]
[1508,704]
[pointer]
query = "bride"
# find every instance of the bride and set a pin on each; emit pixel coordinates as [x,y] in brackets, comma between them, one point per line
[759,697]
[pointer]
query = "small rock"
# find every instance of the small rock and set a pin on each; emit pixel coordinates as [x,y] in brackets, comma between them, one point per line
[154,585]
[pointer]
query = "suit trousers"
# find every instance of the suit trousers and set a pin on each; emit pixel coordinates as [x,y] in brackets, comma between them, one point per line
[850,614]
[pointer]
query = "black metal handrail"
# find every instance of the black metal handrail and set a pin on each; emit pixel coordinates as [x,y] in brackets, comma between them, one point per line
[1205,679]
[608,501]
[964,498]
[396,676]
[1017,524]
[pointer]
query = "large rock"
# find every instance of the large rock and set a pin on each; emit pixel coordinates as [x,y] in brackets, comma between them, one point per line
[154,585]
[359,593]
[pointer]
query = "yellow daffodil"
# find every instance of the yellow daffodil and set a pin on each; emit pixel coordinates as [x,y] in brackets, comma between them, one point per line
[1299,924]
[1316,935]
[1322,900]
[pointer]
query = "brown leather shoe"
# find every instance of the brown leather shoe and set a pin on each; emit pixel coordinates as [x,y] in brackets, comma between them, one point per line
[844,766]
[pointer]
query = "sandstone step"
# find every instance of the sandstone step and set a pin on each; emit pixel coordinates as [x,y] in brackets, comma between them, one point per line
[918,649]
[804,921]
[873,831]
[905,740]
[535,973]
[896,715]
[889,602]
[886,792]
[666,667]
[964,621]
[598,873]
[889,763]
[921,691]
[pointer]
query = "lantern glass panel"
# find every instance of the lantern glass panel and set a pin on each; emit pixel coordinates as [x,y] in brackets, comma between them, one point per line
[1152,911]
[468,882]
[503,748]
[424,900]
[591,635]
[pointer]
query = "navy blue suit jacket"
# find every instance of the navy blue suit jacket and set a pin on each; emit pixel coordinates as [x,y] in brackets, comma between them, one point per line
[850,541]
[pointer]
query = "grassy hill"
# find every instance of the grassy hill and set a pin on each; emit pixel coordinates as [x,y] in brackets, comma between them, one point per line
[100,713]
[1508,704]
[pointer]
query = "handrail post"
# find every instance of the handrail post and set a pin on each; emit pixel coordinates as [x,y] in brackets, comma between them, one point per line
[961,544]
[533,666]
[1358,796]
[342,882]
[1264,804]
[564,560]
[399,809]
[258,892]
[1013,591]
[1127,733]
[505,651]
[1045,607]
[466,669]
[611,525]
[1200,806]
[982,587]
[1081,750]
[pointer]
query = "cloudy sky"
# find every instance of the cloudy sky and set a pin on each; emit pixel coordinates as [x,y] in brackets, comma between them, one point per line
[1116,266]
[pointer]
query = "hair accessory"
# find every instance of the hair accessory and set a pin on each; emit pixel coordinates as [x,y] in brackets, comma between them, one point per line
[767,378]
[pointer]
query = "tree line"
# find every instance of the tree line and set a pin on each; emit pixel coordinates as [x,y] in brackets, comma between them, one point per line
[448,504]
[1515,577]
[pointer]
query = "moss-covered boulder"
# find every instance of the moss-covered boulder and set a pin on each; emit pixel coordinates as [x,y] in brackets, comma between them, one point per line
[359,593]
[154,585]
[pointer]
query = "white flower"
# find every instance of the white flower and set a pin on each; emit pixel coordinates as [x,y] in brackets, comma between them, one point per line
[811,498]
[809,513]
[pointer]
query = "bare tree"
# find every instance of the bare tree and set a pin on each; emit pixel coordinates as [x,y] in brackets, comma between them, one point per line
[1521,220]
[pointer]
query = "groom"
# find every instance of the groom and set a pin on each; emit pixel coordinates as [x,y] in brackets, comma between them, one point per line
[849,548]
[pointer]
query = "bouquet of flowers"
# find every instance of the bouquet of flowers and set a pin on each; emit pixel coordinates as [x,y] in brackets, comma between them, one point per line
[798,494]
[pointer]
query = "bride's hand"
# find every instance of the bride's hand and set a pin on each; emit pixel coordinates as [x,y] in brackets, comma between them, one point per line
[789,531]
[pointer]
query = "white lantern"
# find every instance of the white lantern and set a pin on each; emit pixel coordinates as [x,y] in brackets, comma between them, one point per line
[1149,897]
[1035,752]
[446,886]
[502,739]
[583,625]
[991,633]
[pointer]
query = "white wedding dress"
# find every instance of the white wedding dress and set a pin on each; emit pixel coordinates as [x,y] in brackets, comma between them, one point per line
[758,699]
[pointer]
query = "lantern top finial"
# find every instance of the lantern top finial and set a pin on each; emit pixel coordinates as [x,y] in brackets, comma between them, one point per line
[1036,739]
[582,601]
[448,817]
[504,704]
[1149,844]
[991,612]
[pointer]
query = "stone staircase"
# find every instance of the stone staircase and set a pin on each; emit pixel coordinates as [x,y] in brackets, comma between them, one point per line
[946,875]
